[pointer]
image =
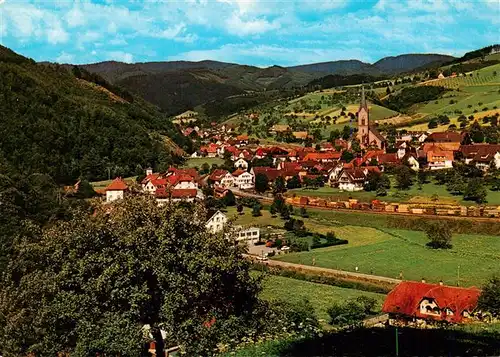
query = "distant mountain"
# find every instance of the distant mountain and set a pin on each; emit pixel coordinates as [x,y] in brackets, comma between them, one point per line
[182,85]
[72,124]
[407,63]
[338,67]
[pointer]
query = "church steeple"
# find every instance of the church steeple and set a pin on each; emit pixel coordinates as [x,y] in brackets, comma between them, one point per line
[363,98]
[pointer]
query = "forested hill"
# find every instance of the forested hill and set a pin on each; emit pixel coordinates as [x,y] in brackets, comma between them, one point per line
[68,127]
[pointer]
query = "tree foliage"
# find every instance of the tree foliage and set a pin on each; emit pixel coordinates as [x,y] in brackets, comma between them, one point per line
[439,235]
[89,285]
[489,300]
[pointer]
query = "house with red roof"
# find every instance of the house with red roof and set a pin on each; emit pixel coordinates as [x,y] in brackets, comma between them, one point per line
[323,156]
[483,156]
[210,150]
[221,178]
[411,300]
[241,164]
[164,196]
[243,179]
[270,172]
[116,190]
[439,159]
[352,179]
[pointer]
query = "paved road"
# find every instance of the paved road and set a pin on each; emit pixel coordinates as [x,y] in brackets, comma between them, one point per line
[330,272]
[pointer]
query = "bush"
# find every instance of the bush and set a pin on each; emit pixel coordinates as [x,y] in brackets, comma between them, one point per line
[353,312]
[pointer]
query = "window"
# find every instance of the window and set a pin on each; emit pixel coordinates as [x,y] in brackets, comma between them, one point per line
[255,233]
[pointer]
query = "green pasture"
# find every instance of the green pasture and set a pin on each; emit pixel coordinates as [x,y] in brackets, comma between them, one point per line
[321,296]
[99,185]
[471,261]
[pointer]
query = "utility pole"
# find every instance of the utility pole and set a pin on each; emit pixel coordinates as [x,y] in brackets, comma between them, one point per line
[458,276]
[397,342]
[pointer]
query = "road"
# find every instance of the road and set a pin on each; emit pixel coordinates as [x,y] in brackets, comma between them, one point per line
[319,271]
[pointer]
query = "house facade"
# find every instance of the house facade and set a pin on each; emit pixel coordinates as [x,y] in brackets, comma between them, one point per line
[243,180]
[116,190]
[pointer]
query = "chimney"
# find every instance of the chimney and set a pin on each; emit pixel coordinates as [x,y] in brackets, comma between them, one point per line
[423,280]
[149,171]
[441,282]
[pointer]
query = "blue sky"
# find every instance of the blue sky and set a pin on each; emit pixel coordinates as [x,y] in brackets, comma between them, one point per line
[256,32]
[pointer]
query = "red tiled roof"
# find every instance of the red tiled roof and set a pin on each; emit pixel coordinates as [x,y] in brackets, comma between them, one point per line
[242,137]
[238,172]
[391,158]
[270,172]
[117,185]
[445,137]
[405,299]
[176,193]
[218,174]
[318,156]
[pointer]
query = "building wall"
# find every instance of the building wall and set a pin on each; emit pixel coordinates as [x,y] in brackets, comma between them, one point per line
[113,195]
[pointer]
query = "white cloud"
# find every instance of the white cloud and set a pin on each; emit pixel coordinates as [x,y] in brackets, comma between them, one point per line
[171,32]
[65,57]
[237,26]
[120,56]
[75,17]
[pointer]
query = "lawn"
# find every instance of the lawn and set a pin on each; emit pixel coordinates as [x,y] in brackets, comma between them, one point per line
[199,161]
[413,194]
[389,252]
[321,296]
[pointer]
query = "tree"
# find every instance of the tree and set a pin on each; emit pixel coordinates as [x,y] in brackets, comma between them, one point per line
[439,234]
[261,183]
[404,177]
[85,190]
[303,212]
[456,184]
[229,199]
[279,185]
[347,156]
[352,312]
[293,182]
[272,210]
[475,191]
[422,178]
[256,210]
[239,208]
[89,285]
[489,300]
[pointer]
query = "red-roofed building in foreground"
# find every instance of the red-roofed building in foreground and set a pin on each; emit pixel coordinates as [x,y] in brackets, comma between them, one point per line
[420,300]
[116,189]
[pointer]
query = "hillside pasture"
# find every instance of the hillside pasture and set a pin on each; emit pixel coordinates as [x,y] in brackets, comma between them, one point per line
[199,161]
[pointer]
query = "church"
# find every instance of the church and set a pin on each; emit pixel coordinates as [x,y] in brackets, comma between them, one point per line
[368,136]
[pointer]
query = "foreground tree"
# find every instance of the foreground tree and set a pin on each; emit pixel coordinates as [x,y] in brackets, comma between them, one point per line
[89,285]
[404,177]
[261,183]
[490,297]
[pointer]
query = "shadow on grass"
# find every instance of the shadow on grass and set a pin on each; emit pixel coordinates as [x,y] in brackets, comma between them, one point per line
[412,342]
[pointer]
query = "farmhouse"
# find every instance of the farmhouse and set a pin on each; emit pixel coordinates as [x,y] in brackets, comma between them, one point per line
[438,159]
[116,190]
[164,195]
[241,164]
[483,156]
[352,179]
[411,300]
[221,178]
[217,222]
[243,179]
[367,135]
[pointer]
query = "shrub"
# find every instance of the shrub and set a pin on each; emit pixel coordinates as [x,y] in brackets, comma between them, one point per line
[439,235]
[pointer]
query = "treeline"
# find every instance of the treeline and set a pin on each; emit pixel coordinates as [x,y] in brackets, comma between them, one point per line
[53,125]
[337,80]
[475,54]
[409,96]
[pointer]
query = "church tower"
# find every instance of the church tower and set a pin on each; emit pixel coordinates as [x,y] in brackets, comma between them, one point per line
[363,116]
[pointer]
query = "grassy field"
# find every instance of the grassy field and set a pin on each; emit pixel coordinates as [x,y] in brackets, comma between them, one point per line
[413,194]
[198,161]
[98,185]
[471,261]
[321,296]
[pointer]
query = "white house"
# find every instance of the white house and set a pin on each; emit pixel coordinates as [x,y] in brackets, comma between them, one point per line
[352,179]
[217,222]
[414,164]
[334,174]
[116,190]
[244,180]
[241,164]
[252,234]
